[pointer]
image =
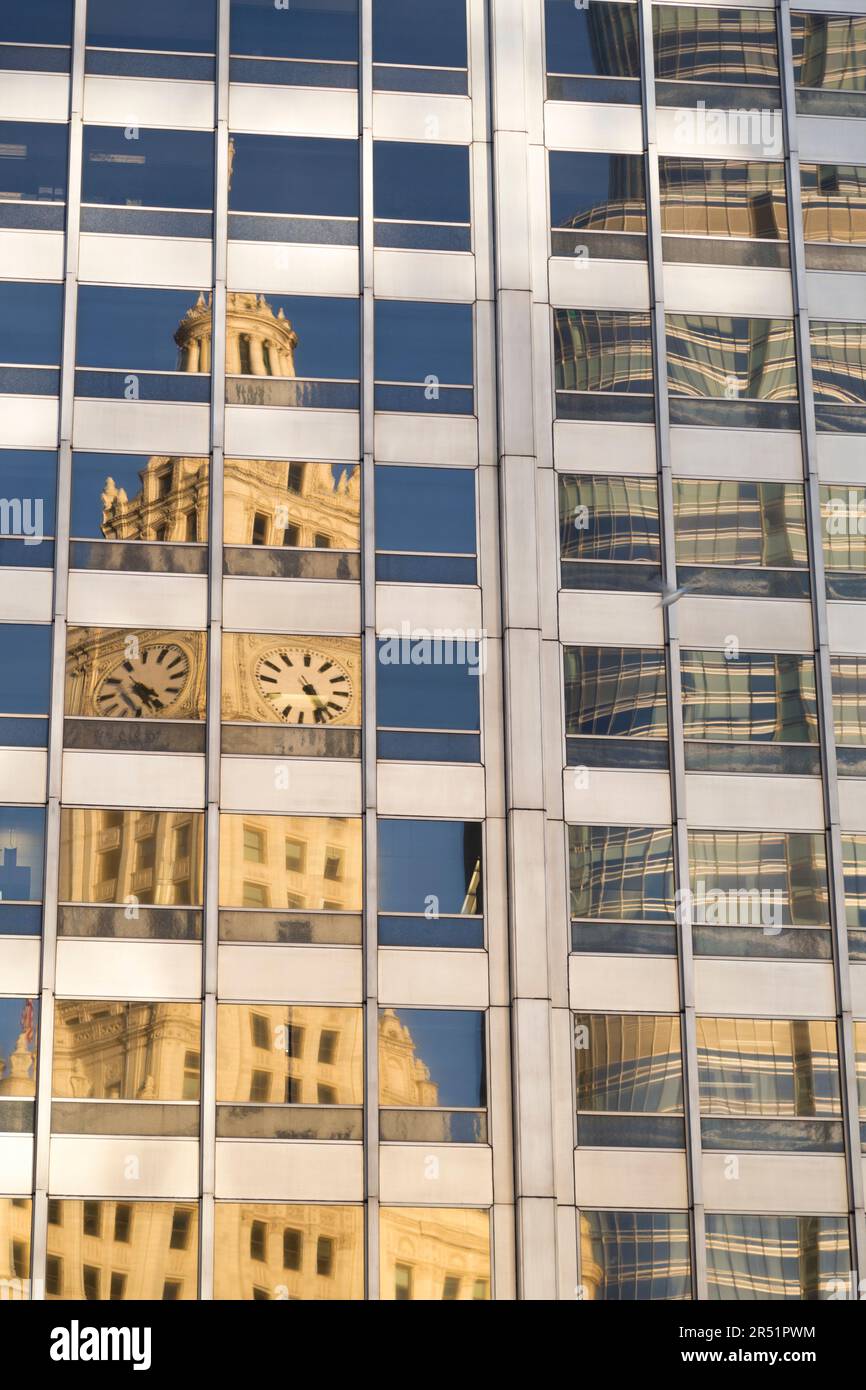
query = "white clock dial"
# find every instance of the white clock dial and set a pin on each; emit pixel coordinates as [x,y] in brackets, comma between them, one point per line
[303,686]
[145,686]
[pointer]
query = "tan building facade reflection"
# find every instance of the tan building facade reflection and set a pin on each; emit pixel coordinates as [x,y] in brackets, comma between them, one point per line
[143,673]
[122,1251]
[311,862]
[110,1050]
[116,856]
[274,1251]
[433,1253]
[290,1053]
[296,680]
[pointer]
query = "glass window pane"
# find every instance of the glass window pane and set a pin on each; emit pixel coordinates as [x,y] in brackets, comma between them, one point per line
[39,21]
[302,871]
[19,1034]
[28,487]
[628,1063]
[302,1252]
[843,531]
[739,523]
[15,1222]
[300,681]
[420,183]
[30,322]
[716,197]
[255,1041]
[33,158]
[776,1257]
[432,1057]
[151,1253]
[763,878]
[312,29]
[116,856]
[425,510]
[829,51]
[160,25]
[839,362]
[621,873]
[415,341]
[768,1067]
[854,857]
[595,41]
[22,856]
[420,858]
[136,328]
[421,694]
[848,676]
[608,518]
[634,1255]
[599,192]
[757,696]
[413,32]
[133,166]
[616,692]
[136,497]
[601,350]
[294,174]
[25,668]
[146,673]
[715,45]
[421,1247]
[733,358]
[834,202]
[289,504]
[105,1050]
[309,336]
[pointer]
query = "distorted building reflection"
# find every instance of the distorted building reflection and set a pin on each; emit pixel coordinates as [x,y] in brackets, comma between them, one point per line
[753,1257]
[295,1054]
[15,1223]
[110,1050]
[273,1251]
[434,1254]
[119,856]
[634,1255]
[119,1251]
[299,862]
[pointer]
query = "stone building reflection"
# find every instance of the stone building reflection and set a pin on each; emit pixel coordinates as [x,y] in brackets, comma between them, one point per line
[117,856]
[122,1251]
[304,862]
[110,1050]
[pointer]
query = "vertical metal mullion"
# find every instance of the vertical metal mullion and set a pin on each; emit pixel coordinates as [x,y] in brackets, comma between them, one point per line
[210,935]
[829,772]
[48,963]
[672,648]
[368,648]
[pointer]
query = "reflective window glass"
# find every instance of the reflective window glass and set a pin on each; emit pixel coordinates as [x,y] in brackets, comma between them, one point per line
[15,1223]
[292,858]
[19,1032]
[761,878]
[292,504]
[829,51]
[843,526]
[768,1067]
[134,166]
[308,336]
[597,192]
[425,510]
[411,32]
[28,487]
[634,1255]
[114,673]
[600,40]
[423,344]
[294,174]
[273,1251]
[732,358]
[749,695]
[854,860]
[723,197]
[602,350]
[25,669]
[616,692]
[848,677]
[704,44]
[610,518]
[273,1053]
[129,857]
[149,329]
[729,522]
[432,1058]
[420,182]
[30,322]
[22,859]
[313,29]
[420,858]
[151,1250]
[33,158]
[136,497]
[414,691]
[106,1050]
[834,202]
[424,1250]
[628,1063]
[838,362]
[161,25]
[299,681]
[776,1257]
[38,22]
[621,873]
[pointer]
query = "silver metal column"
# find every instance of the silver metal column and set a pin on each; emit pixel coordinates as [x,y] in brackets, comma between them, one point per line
[808,433]
[210,938]
[520,541]
[58,664]
[672,647]
[368,648]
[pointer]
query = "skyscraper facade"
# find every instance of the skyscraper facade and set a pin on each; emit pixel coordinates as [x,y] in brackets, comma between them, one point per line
[432,650]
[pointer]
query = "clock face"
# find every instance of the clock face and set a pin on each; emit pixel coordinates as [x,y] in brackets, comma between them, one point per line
[145,686]
[303,686]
